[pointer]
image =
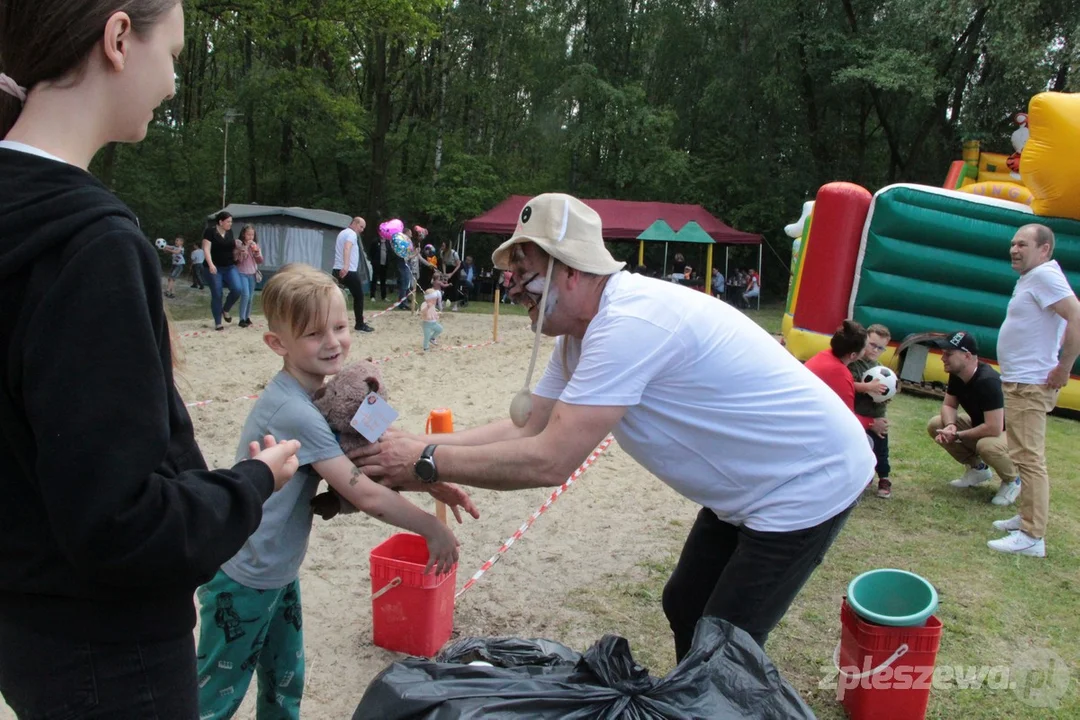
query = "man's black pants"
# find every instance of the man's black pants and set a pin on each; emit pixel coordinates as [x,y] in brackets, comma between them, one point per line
[356,289]
[744,576]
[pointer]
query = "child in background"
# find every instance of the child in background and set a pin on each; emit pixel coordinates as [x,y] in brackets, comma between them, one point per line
[429,318]
[876,342]
[250,616]
[178,262]
[440,284]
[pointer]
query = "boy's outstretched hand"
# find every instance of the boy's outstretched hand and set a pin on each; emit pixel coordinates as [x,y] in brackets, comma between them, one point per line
[442,549]
[455,498]
[280,457]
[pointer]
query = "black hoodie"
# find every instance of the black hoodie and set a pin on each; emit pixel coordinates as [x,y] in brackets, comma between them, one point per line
[109,519]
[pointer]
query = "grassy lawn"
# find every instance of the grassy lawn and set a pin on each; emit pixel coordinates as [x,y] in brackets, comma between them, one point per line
[994,607]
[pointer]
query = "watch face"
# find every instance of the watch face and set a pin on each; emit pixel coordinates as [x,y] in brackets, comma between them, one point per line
[425,469]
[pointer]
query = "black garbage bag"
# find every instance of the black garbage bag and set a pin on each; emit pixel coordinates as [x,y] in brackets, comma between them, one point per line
[725,676]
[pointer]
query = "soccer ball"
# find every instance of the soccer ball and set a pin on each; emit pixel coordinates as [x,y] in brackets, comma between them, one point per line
[887,378]
[160,242]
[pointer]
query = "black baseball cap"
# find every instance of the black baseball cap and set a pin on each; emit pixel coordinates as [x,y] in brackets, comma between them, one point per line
[959,340]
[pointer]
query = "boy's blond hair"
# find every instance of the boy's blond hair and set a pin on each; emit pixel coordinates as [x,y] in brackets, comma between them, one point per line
[878,329]
[298,297]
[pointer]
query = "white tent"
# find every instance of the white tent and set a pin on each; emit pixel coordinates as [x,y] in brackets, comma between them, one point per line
[290,234]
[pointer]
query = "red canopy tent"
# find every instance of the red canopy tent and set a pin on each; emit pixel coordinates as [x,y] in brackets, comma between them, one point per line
[622,220]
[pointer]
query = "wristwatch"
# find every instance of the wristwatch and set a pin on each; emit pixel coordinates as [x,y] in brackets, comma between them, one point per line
[425,467]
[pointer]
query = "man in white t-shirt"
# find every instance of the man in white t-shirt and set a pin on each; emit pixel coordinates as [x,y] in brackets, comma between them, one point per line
[350,267]
[694,391]
[1037,346]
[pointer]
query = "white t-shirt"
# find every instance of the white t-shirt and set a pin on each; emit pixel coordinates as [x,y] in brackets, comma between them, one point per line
[717,408]
[30,150]
[1030,338]
[346,235]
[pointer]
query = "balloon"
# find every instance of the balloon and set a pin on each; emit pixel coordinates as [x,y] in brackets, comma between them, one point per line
[403,247]
[390,228]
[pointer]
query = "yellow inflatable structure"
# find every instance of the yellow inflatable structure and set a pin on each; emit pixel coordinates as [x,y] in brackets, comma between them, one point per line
[1050,163]
[1002,190]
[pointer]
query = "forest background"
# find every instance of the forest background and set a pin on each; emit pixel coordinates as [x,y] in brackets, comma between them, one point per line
[435,111]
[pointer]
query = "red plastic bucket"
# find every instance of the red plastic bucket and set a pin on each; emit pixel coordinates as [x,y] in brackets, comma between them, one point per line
[885,672]
[411,612]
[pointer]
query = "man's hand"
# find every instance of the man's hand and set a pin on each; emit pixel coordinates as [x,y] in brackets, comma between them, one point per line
[454,498]
[1058,377]
[390,461]
[279,457]
[342,273]
[880,426]
[946,436]
[212,268]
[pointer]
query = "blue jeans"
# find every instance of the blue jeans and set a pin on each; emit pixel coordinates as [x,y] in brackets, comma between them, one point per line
[247,294]
[881,452]
[45,676]
[230,276]
[404,279]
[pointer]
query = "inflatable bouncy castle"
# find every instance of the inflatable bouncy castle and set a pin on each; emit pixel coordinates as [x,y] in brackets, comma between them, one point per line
[924,259]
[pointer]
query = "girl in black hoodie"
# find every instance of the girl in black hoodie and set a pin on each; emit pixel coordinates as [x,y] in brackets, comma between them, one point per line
[109,517]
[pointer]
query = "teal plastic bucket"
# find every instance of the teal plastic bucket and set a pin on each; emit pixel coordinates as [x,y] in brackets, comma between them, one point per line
[892,597]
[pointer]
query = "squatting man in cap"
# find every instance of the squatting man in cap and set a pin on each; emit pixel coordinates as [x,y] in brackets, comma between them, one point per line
[975,439]
[693,390]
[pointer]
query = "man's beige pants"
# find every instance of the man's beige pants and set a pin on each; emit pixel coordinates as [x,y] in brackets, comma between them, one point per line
[1026,407]
[994,451]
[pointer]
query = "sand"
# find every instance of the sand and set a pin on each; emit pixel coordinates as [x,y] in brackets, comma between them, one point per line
[611,520]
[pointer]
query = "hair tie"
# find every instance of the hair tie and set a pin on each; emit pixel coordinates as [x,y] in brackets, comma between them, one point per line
[12,88]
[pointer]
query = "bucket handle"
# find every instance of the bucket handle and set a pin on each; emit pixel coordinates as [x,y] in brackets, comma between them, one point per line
[900,652]
[393,584]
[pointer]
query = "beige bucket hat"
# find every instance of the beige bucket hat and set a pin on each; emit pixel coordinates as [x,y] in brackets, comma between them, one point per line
[565,228]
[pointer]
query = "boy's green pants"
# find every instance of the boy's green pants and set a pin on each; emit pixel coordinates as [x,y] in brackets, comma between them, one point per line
[243,631]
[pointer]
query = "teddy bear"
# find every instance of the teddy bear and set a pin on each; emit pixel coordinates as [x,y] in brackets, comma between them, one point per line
[338,401]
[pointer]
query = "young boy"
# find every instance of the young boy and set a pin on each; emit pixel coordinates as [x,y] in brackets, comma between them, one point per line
[250,615]
[877,339]
[429,318]
[177,252]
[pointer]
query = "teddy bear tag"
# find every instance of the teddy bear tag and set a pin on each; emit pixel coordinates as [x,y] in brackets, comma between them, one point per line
[373,417]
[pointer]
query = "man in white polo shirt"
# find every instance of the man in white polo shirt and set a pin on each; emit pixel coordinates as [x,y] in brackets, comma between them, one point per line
[1035,365]
[694,391]
[350,269]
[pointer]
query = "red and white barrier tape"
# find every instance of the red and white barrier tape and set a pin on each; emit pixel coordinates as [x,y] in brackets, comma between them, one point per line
[383,312]
[203,403]
[532,518]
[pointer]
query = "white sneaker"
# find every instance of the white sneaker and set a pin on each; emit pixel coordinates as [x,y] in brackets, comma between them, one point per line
[1019,543]
[1009,525]
[1007,494]
[972,477]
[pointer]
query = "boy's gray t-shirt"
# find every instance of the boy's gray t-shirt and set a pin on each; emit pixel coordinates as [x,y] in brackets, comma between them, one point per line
[272,556]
